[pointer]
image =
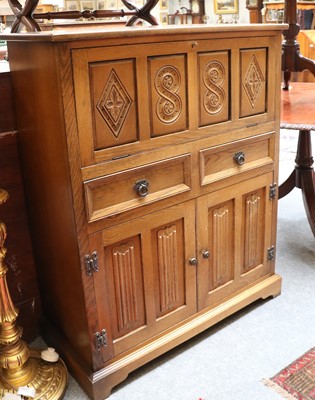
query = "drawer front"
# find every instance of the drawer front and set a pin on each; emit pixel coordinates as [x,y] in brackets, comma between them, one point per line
[227,160]
[126,190]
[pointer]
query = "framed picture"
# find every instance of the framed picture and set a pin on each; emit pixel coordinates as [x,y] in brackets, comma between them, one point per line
[163,4]
[225,6]
[164,18]
[87,5]
[195,6]
[112,4]
[72,5]
[101,4]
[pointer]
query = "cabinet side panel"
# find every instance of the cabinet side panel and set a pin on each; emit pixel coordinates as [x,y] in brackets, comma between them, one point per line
[44,158]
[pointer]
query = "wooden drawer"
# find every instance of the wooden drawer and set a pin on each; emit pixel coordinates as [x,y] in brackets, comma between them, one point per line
[125,190]
[227,160]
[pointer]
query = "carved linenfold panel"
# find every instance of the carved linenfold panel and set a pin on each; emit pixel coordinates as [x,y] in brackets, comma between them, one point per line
[168,94]
[125,284]
[254,212]
[253,82]
[114,103]
[214,87]
[168,242]
[126,287]
[113,92]
[167,264]
[221,233]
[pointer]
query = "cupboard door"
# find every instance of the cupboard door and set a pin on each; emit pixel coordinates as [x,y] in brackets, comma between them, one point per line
[234,233]
[145,284]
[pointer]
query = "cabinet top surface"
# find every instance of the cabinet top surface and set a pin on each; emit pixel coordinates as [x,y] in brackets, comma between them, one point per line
[127,32]
[310,34]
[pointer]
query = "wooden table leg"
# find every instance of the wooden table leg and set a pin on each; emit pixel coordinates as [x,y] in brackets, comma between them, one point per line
[303,176]
[287,186]
[308,192]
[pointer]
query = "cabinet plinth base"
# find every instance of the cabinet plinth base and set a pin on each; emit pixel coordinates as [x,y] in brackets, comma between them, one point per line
[98,385]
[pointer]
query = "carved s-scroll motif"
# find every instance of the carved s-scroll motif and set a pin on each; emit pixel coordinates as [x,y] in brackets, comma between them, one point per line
[253,82]
[167,265]
[114,103]
[169,104]
[125,285]
[213,79]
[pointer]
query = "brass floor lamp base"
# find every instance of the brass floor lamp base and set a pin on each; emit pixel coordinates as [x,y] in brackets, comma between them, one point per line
[25,373]
[49,380]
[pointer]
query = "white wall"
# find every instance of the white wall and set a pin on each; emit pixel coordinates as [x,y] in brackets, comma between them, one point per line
[243,15]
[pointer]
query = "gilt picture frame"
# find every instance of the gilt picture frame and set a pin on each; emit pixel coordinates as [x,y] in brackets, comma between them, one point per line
[72,5]
[225,6]
[163,4]
[101,5]
[88,5]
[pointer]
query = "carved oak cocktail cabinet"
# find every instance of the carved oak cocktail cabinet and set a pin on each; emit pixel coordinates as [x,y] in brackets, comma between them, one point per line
[150,160]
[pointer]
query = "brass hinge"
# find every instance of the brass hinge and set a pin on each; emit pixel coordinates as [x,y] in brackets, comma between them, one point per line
[271,253]
[100,339]
[272,191]
[91,263]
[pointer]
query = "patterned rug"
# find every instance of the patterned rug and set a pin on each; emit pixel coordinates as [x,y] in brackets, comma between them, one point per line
[297,381]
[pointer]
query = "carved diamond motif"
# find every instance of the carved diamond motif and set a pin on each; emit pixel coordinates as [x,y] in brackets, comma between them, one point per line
[253,82]
[114,103]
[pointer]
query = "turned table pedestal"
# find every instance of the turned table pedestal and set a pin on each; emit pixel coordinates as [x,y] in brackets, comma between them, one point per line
[298,112]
